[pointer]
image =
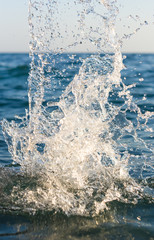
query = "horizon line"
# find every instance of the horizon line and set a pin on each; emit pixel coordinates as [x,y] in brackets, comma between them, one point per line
[123,52]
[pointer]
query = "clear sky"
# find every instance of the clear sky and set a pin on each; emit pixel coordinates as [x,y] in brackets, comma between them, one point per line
[14,36]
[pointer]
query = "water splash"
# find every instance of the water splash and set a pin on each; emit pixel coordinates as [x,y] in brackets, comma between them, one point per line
[74,143]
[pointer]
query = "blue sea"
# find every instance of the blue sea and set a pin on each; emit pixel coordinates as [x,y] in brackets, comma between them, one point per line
[120,220]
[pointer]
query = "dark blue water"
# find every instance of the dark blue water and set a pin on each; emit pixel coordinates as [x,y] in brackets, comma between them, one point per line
[120,221]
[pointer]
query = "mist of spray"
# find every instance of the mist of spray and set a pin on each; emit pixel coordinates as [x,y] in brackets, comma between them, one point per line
[74,139]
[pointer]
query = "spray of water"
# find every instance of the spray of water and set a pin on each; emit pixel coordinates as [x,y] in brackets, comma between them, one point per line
[74,140]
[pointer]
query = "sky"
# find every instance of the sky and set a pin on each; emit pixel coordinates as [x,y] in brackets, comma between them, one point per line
[14,29]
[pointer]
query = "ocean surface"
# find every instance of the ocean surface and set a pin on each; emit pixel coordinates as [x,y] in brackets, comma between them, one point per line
[120,220]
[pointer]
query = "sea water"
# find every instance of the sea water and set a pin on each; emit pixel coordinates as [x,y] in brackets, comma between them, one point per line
[84,146]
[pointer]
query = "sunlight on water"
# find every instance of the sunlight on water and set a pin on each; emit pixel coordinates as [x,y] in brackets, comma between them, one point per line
[75,143]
